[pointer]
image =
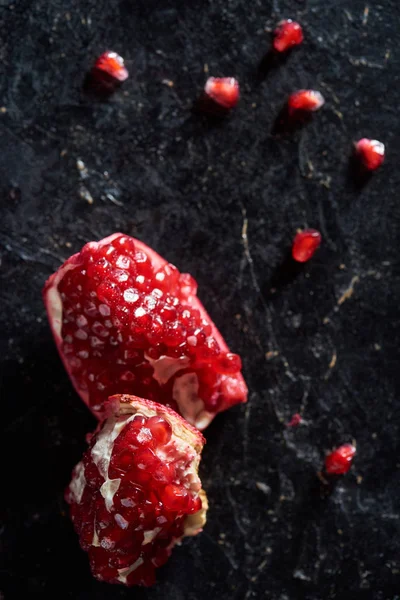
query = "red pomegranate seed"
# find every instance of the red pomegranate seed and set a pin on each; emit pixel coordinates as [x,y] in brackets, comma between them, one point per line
[174,497]
[160,429]
[143,500]
[228,363]
[287,35]
[305,244]
[339,461]
[305,100]
[294,421]
[112,64]
[370,152]
[223,90]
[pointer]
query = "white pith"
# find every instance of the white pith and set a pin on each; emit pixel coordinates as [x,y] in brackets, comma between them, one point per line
[165,367]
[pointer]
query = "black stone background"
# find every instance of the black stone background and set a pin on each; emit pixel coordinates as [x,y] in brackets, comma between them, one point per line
[189,186]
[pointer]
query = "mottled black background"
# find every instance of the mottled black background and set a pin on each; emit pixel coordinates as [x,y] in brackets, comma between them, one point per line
[322,340]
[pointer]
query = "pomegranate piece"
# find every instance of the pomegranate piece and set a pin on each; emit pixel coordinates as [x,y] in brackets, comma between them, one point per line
[370,152]
[305,100]
[112,64]
[287,35]
[339,461]
[126,321]
[305,244]
[136,493]
[223,90]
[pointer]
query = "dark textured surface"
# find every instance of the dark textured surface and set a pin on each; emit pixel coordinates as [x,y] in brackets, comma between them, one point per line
[191,188]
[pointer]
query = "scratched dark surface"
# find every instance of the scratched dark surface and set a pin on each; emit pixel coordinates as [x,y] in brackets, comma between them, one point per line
[223,201]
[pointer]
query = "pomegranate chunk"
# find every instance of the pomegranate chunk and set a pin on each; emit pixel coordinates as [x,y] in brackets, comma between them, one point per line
[126,321]
[371,153]
[305,100]
[128,518]
[223,90]
[339,461]
[287,35]
[112,64]
[305,244]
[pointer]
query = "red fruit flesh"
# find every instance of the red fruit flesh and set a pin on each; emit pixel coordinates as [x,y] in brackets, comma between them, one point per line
[305,244]
[128,518]
[223,90]
[126,321]
[305,100]
[287,35]
[112,64]
[371,153]
[339,461]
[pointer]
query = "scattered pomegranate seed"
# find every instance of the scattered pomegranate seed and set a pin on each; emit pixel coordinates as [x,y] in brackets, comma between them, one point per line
[370,152]
[305,244]
[339,461]
[223,90]
[137,492]
[305,100]
[295,420]
[287,35]
[112,64]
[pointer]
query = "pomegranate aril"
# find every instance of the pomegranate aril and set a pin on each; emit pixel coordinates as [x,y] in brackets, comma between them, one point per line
[340,460]
[228,363]
[305,244]
[175,498]
[124,460]
[164,473]
[146,460]
[287,35]
[107,292]
[188,285]
[112,64]
[371,153]
[224,91]
[161,430]
[305,101]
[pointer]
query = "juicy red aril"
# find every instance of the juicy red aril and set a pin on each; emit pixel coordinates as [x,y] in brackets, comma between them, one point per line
[287,35]
[371,153]
[174,497]
[125,321]
[136,509]
[160,429]
[305,100]
[294,421]
[228,363]
[339,461]
[112,64]
[223,90]
[305,244]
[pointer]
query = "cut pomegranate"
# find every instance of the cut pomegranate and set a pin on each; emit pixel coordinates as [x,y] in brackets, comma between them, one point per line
[223,90]
[136,492]
[126,321]
[287,35]
[370,152]
[305,244]
[112,64]
[305,100]
[339,461]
